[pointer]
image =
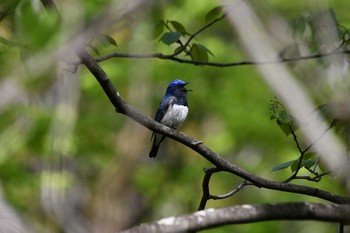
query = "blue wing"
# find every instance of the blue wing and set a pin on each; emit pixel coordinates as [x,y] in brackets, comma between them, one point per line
[167,101]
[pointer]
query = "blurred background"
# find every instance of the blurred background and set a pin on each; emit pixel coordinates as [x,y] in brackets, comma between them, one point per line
[70,163]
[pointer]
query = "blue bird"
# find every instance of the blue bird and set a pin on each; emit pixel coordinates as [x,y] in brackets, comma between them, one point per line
[172,111]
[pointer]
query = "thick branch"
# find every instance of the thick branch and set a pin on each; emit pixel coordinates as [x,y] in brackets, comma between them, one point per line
[124,108]
[210,218]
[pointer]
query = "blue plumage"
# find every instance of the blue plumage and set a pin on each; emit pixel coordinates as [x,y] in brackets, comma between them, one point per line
[171,112]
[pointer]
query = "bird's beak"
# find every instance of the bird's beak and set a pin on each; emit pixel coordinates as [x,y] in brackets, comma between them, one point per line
[187,89]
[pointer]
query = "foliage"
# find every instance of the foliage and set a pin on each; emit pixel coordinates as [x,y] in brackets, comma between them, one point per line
[61,134]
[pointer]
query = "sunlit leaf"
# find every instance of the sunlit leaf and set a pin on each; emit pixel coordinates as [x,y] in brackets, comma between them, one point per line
[158,28]
[285,127]
[36,26]
[178,49]
[169,38]
[179,27]
[283,166]
[308,163]
[108,40]
[206,49]
[199,53]
[214,13]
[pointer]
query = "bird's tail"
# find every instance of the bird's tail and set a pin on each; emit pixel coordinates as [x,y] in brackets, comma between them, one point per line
[155,145]
[154,150]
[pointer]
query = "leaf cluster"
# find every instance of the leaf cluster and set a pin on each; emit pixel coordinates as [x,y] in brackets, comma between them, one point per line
[313,31]
[285,121]
[172,32]
[306,159]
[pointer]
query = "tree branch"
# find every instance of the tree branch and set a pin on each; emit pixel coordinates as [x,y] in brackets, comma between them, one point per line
[171,57]
[196,33]
[302,154]
[208,172]
[206,191]
[122,107]
[210,218]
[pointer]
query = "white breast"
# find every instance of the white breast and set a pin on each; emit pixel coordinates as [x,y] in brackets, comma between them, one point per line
[175,116]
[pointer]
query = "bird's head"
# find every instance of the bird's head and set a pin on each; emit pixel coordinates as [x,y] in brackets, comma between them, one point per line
[177,88]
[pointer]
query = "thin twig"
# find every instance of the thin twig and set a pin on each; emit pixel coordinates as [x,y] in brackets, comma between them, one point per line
[206,191]
[295,138]
[231,193]
[302,154]
[171,57]
[196,33]
[324,133]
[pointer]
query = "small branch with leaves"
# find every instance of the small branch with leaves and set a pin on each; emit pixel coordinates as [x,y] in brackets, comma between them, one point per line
[174,58]
[199,53]
[306,158]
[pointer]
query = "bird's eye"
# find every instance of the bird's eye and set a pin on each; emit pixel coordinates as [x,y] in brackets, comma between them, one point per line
[178,85]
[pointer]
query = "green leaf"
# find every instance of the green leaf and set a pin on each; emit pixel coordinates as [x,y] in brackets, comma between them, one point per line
[179,27]
[286,122]
[298,25]
[108,40]
[37,27]
[158,28]
[326,110]
[294,166]
[283,117]
[322,166]
[178,49]
[309,155]
[94,49]
[214,13]
[206,49]
[198,53]
[308,163]
[285,127]
[169,38]
[283,166]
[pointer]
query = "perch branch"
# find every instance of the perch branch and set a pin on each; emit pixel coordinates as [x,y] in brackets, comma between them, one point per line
[122,107]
